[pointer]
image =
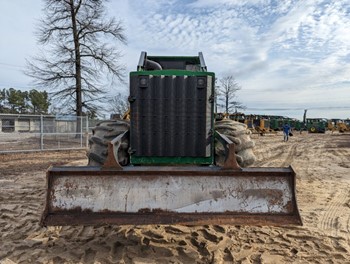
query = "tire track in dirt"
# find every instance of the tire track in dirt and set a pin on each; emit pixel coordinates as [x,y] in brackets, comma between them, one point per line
[290,155]
[348,224]
[342,157]
[301,158]
[312,168]
[270,156]
[330,220]
[282,158]
[335,217]
[22,240]
[284,153]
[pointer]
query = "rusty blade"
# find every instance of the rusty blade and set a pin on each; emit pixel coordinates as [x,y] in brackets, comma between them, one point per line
[170,195]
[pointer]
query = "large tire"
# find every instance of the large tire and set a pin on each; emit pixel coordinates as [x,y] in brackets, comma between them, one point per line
[239,134]
[103,133]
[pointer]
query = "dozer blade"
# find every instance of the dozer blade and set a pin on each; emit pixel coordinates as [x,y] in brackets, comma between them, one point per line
[171,195]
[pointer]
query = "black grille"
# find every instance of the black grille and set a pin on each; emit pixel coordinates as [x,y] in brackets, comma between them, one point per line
[170,116]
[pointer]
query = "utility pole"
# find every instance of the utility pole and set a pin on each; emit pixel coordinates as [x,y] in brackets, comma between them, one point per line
[304,118]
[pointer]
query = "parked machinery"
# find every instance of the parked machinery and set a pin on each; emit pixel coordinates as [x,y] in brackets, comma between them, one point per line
[316,125]
[172,163]
[338,125]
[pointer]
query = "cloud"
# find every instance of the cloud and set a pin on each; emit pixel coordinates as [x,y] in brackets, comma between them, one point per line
[17,40]
[291,52]
[275,49]
[216,3]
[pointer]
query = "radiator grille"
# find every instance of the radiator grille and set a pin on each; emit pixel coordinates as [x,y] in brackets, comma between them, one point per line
[170,116]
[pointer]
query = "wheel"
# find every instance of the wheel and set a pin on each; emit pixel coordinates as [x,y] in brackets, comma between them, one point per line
[103,133]
[239,134]
[313,129]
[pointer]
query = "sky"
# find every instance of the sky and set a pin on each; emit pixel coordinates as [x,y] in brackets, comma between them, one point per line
[287,55]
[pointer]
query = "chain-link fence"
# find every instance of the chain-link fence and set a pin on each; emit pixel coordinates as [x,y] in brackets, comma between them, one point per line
[20,133]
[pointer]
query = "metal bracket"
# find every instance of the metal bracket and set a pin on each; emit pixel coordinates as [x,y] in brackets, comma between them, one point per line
[111,162]
[230,155]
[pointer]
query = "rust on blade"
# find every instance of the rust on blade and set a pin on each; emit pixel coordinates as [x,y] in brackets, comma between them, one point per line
[171,218]
[171,195]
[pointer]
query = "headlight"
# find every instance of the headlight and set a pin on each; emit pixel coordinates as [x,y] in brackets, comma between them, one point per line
[201,82]
[143,81]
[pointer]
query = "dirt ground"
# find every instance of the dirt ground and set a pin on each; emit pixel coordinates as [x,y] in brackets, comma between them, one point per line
[322,164]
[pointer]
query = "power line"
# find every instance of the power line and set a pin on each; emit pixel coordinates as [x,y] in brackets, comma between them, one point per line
[12,65]
[300,108]
[329,107]
[273,109]
[4,65]
[16,86]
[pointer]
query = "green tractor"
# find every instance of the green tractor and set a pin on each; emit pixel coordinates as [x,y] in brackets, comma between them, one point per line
[172,162]
[316,125]
[277,122]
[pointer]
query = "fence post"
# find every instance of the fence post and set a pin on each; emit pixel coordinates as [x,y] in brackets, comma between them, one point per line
[81,131]
[41,132]
[87,132]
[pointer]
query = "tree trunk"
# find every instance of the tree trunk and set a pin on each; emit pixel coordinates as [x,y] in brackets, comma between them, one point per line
[79,103]
[81,55]
[227,102]
[77,61]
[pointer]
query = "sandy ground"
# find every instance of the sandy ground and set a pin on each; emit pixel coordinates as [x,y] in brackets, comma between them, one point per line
[322,164]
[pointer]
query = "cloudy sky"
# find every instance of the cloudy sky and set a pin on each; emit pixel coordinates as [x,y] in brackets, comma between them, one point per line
[287,55]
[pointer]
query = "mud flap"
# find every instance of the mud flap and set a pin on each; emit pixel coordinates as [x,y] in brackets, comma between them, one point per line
[170,195]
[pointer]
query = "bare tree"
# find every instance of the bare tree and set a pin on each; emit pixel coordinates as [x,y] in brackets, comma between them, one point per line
[226,94]
[118,104]
[79,58]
